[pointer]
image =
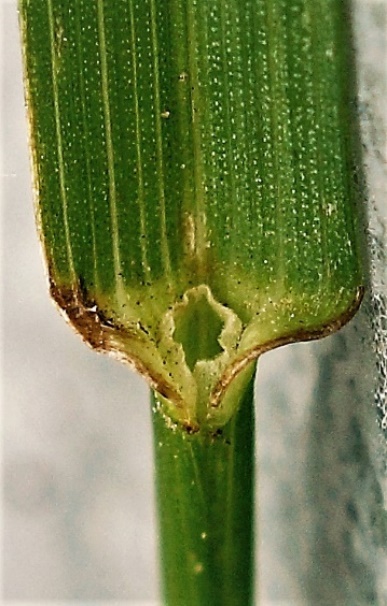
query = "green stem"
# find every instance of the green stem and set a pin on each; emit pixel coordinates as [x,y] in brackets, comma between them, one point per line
[205,499]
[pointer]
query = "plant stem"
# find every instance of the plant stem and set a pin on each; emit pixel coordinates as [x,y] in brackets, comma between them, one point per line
[205,500]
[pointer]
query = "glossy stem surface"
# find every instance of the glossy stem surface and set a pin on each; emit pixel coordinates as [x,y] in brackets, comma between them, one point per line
[205,504]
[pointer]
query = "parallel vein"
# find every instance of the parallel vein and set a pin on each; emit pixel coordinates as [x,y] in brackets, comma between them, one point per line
[139,160]
[159,144]
[109,143]
[58,128]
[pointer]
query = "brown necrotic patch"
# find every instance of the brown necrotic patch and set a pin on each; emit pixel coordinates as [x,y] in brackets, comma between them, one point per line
[83,312]
[101,332]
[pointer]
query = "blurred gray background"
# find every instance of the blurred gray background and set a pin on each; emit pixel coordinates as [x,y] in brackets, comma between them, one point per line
[78,516]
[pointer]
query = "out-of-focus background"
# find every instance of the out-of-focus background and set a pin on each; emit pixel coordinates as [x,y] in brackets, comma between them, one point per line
[78,515]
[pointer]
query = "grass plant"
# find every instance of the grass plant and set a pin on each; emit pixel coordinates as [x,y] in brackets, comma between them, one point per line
[197,180]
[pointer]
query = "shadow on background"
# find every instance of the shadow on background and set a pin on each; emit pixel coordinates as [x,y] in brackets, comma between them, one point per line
[344,474]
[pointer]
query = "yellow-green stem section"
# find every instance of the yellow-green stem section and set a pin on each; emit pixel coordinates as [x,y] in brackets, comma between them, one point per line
[205,487]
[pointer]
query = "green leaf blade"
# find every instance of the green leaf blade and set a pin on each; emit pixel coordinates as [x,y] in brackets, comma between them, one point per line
[195,150]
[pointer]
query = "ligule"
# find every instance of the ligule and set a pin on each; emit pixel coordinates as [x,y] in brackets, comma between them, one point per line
[196,174]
